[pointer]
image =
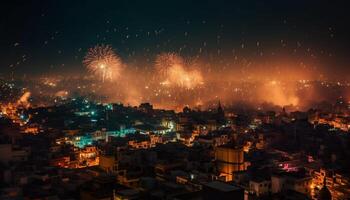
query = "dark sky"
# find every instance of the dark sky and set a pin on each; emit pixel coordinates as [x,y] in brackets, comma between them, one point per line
[53,36]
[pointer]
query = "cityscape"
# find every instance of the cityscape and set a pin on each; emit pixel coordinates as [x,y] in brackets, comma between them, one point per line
[174,100]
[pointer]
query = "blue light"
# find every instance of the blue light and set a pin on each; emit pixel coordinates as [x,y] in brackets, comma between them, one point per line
[109,107]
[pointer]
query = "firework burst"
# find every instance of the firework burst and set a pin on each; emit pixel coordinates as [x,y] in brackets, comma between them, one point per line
[185,78]
[177,71]
[102,61]
[165,61]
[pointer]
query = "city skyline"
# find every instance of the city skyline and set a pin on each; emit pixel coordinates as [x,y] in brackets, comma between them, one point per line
[174,100]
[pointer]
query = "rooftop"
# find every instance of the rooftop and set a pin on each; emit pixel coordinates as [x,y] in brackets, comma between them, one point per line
[217,185]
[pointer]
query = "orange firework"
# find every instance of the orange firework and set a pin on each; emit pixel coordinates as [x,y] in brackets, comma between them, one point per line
[102,61]
[165,61]
[178,71]
[188,79]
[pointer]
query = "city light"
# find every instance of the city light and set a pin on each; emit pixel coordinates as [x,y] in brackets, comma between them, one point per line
[223,100]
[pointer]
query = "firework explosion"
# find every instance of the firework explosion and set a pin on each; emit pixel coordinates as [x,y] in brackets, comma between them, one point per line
[102,61]
[165,61]
[177,71]
[178,81]
[183,78]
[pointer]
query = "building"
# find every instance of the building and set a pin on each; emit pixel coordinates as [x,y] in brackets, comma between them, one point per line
[229,160]
[260,187]
[11,153]
[291,181]
[108,163]
[222,191]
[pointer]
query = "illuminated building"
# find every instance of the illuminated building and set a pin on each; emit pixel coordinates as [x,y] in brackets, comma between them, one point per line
[88,156]
[213,141]
[140,141]
[229,160]
[186,138]
[140,144]
[260,144]
[108,163]
[260,187]
[147,129]
[291,181]
[201,129]
[247,146]
[336,120]
[337,184]
[32,129]
[87,139]
[63,161]
[168,123]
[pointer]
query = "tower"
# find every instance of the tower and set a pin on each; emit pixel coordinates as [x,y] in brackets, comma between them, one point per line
[220,115]
[220,110]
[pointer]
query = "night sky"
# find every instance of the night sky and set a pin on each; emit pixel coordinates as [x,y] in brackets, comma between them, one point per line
[39,37]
